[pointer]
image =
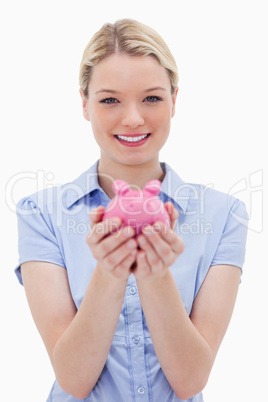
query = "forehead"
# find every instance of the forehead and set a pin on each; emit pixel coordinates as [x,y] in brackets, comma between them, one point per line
[124,70]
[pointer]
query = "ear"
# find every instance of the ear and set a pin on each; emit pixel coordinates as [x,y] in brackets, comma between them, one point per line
[174,98]
[120,187]
[84,105]
[152,188]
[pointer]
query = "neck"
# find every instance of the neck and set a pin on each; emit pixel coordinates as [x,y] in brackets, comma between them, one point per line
[135,175]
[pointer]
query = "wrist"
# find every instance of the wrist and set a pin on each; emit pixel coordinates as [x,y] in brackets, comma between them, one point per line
[154,280]
[109,281]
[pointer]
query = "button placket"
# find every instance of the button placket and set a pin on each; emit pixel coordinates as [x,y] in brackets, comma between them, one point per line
[132,290]
[141,390]
[136,341]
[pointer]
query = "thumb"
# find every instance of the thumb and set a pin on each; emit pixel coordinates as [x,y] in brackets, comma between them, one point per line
[173,214]
[95,215]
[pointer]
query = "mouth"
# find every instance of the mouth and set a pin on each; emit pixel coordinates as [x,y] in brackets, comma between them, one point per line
[133,140]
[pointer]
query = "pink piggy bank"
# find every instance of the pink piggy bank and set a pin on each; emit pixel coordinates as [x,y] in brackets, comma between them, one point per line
[137,208]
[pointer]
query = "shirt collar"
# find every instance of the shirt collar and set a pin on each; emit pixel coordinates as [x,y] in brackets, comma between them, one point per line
[86,183]
[175,188]
[172,186]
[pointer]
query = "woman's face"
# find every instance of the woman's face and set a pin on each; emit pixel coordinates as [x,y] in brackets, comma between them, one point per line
[130,106]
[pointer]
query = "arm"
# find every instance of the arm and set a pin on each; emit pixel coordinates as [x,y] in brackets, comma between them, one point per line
[72,338]
[186,347]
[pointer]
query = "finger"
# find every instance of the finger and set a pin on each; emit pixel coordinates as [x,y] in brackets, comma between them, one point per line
[102,229]
[117,257]
[123,269]
[167,234]
[106,246]
[142,269]
[166,244]
[175,242]
[152,256]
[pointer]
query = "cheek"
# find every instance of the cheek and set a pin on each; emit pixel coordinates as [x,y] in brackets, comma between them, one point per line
[102,119]
[161,118]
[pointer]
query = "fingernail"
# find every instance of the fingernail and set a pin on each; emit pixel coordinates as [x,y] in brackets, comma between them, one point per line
[142,240]
[115,222]
[128,231]
[93,211]
[157,227]
[147,230]
[150,230]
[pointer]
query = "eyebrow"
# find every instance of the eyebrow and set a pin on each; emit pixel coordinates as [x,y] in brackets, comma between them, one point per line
[155,89]
[112,91]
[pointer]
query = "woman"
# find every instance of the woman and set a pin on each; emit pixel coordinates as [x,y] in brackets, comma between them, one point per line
[127,318]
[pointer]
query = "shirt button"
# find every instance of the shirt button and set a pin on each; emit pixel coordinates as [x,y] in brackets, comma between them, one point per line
[135,339]
[132,290]
[141,390]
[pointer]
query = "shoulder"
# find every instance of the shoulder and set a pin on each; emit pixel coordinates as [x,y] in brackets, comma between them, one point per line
[203,202]
[42,202]
[208,196]
[60,197]
[216,206]
[190,194]
[206,200]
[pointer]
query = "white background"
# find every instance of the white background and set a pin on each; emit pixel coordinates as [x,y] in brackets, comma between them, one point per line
[218,138]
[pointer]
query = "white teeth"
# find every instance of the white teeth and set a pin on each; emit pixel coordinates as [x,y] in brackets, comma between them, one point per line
[131,139]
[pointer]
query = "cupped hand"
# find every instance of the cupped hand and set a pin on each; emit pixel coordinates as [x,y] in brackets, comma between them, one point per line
[113,246]
[159,246]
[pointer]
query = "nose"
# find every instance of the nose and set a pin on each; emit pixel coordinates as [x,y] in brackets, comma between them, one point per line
[132,117]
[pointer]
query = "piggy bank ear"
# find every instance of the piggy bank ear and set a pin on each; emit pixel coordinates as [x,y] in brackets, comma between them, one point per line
[152,188]
[120,187]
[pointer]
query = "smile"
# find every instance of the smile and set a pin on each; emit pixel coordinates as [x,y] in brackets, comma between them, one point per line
[132,139]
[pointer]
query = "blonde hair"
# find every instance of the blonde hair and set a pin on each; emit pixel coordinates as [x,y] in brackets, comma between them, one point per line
[126,36]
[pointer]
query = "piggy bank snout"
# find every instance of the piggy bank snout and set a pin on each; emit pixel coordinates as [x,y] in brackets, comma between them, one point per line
[127,205]
[141,206]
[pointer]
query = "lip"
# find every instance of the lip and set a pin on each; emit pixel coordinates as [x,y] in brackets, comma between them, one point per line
[133,144]
[133,135]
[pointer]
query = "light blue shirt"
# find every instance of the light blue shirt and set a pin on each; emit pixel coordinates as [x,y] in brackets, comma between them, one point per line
[52,227]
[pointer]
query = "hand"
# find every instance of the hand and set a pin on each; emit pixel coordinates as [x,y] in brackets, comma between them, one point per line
[160,247]
[112,245]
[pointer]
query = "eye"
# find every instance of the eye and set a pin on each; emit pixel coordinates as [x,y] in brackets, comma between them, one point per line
[109,100]
[153,99]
